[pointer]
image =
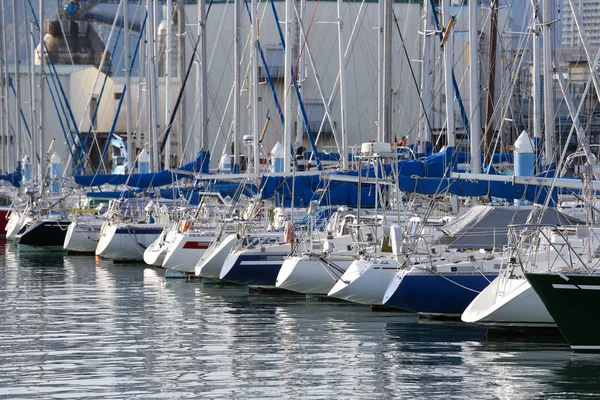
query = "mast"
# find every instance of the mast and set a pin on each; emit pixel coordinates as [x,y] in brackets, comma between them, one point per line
[426,73]
[254,91]
[237,54]
[387,134]
[41,112]
[380,67]
[152,84]
[289,73]
[142,77]
[168,48]
[19,151]
[3,130]
[36,156]
[448,65]
[201,82]
[6,106]
[489,112]
[342,61]
[547,22]
[31,150]
[180,74]
[301,74]
[128,109]
[475,130]
[536,85]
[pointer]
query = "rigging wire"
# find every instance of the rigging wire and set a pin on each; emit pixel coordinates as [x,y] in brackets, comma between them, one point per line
[412,72]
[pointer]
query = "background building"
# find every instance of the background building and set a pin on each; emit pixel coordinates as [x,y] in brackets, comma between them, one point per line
[316,49]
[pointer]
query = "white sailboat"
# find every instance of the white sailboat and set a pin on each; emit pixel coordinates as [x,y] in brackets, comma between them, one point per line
[126,237]
[367,278]
[210,263]
[83,235]
[186,249]
[318,263]
[187,242]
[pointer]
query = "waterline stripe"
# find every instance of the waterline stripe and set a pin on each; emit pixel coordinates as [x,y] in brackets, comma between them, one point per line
[585,347]
[562,286]
[589,287]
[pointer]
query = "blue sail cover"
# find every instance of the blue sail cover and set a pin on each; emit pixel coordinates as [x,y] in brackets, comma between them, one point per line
[280,188]
[14,178]
[435,165]
[431,176]
[464,187]
[307,189]
[154,179]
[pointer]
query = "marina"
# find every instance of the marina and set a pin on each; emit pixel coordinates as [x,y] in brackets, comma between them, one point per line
[75,328]
[299,199]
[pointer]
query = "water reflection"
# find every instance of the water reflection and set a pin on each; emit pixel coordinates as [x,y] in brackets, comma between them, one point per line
[74,327]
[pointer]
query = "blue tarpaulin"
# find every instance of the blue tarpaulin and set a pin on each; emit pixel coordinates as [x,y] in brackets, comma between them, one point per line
[464,187]
[154,179]
[14,178]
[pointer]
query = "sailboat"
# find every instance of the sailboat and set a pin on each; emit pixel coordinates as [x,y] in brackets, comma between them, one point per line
[367,277]
[317,263]
[186,240]
[210,263]
[511,299]
[258,263]
[5,207]
[445,281]
[83,235]
[564,294]
[130,226]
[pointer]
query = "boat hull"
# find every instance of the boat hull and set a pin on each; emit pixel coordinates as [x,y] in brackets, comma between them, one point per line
[4,215]
[365,281]
[155,253]
[44,235]
[82,237]
[508,302]
[210,264]
[435,295]
[253,269]
[311,275]
[568,301]
[186,250]
[16,224]
[126,242]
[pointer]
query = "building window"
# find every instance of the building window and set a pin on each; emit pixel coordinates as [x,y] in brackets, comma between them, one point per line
[93,105]
[315,111]
[275,62]
[118,96]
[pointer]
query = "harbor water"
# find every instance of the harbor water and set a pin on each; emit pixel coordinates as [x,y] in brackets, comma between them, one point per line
[72,327]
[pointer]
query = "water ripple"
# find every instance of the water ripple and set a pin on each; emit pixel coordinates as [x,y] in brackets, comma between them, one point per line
[72,328]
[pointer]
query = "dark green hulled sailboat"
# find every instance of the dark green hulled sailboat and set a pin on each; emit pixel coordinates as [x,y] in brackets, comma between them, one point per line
[573,300]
